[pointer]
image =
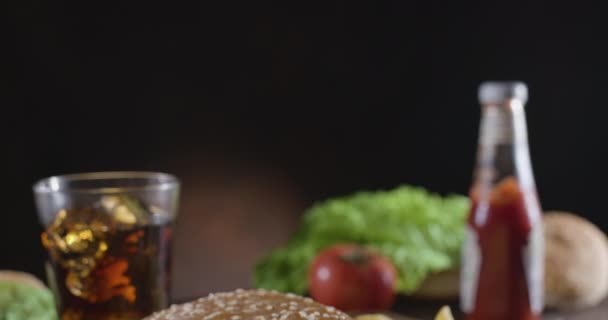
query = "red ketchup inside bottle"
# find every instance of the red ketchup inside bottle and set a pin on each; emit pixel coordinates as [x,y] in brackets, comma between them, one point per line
[502,220]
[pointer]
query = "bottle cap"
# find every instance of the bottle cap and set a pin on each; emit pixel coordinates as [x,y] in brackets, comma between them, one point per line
[502,91]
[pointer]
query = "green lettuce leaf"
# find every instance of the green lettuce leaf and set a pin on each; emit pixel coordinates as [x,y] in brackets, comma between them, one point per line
[419,231]
[19,302]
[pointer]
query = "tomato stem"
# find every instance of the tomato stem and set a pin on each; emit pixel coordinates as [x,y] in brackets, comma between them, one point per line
[357,256]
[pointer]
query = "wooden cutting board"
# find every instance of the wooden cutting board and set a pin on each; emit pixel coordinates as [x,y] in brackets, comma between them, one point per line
[598,313]
[425,310]
[406,309]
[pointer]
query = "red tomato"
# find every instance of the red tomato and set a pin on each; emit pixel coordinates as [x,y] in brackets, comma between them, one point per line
[351,277]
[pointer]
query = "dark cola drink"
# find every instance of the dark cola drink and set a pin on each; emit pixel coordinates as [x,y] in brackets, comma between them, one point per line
[109,261]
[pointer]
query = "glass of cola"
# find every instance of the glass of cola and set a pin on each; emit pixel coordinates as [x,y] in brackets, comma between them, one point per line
[108,238]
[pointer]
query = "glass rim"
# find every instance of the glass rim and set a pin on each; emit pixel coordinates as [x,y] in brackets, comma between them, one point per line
[158,181]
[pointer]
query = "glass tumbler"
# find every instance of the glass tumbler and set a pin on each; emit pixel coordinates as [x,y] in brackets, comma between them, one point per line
[108,237]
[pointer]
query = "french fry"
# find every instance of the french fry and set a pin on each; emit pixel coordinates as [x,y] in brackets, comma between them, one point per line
[444,314]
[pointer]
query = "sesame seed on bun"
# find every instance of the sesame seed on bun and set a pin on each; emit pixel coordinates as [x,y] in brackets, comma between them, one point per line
[250,305]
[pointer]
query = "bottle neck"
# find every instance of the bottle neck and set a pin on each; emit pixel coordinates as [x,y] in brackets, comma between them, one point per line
[503,145]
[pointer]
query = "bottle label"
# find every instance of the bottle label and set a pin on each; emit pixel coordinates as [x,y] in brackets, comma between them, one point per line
[533,259]
[471,263]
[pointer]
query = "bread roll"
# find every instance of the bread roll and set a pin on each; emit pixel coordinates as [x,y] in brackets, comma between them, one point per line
[22,278]
[250,304]
[576,262]
[440,286]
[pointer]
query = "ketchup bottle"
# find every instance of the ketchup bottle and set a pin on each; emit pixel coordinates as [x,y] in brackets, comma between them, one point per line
[502,260]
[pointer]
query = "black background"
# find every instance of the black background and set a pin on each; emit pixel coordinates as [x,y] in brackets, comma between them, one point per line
[333,97]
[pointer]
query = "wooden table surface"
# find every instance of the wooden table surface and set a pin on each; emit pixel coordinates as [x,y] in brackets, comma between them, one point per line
[598,313]
[425,310]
